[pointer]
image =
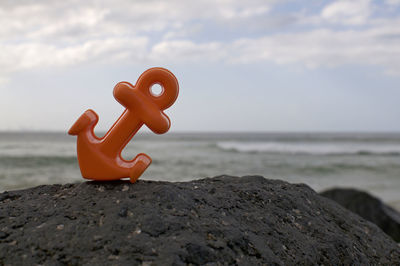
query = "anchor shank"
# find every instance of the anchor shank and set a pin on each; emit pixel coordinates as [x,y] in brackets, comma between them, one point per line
[120,134]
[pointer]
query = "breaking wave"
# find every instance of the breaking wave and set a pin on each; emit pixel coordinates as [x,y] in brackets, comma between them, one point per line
[312,148]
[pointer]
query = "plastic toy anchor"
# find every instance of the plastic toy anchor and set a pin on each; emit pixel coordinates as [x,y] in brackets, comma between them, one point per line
[100,158]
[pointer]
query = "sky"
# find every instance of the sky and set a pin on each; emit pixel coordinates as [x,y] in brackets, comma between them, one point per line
[284,65]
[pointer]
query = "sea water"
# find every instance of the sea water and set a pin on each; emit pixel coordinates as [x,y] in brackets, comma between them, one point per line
[369,162]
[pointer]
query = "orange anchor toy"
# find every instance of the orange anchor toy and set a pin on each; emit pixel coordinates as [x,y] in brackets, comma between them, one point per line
[100,158]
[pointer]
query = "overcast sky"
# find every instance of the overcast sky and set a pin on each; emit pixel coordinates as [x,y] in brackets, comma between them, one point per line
[300,65]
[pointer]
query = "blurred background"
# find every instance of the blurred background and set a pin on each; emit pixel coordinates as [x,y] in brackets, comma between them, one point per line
[304,91]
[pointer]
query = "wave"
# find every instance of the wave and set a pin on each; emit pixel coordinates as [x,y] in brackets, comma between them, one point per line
[35,161]
[337,168]
[312,148]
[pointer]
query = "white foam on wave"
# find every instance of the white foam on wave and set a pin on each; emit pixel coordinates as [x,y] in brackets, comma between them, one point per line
[318,148]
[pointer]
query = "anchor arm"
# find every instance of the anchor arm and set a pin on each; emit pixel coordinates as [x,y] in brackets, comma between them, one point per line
[86,120]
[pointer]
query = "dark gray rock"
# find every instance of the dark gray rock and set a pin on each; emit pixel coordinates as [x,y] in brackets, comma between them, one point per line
[368,207]
[222,220]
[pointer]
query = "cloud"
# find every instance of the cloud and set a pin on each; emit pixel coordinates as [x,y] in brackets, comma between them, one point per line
[16,57]
[188,51]
[353,12]
[38,34]
[49,33]
[393,2]
[89,19]
[326,48]
[3,80]
[317,48]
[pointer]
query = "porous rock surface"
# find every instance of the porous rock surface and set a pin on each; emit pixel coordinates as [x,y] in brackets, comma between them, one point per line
[369,207]
[215,221]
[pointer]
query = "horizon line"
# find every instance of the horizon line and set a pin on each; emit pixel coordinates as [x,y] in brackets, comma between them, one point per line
[220,132]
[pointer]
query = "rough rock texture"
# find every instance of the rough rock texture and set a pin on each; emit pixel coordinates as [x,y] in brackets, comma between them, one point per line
[221,220]
[368,207]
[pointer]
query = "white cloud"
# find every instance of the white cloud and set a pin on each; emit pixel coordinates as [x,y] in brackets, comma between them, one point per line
[15,57]
[3,80]
[67,33]
[318,48]
[326,48]
[393,2]
[188,51]
[88,19]
[353,12]
[53,33]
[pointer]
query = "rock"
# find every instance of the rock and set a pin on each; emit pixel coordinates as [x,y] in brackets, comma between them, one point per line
[368,207]
[222,220]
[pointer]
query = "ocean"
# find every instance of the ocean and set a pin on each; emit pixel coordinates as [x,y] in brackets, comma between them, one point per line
[369,162]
